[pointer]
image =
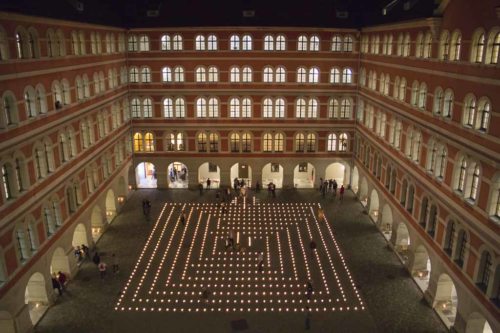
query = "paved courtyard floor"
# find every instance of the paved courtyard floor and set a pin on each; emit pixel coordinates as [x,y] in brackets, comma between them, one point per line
[182,277]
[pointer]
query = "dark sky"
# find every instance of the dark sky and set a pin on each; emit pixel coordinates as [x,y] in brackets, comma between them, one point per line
[310,13]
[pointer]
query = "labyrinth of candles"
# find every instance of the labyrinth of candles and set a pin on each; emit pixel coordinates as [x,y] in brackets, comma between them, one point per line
[189,267]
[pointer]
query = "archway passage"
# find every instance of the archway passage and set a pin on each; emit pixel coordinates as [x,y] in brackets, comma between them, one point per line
[445,301]
[272,173]
[402,241]
[97,223]
[110,205]
[209,171]
[7,324]
[374,206]
[177,175]
[59,262]
[421,270]
[145,175]
[386,222]
[355,180]
[242,172]
[80,236]
[477,324]
[339,172]
[304,175]
[35,296]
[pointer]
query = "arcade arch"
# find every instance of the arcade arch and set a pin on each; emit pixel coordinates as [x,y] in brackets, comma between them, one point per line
[304,175]
[355,179]
[386,221]
[477,324]
[177,175]
[209,171]
[59,262]
[35,296]
[339,172]
[421,269]
[80,236]
[272,172]
[374,206]
[243,172]
[402,241]
[97,223]
[145,175]
[446,300]
[110,205]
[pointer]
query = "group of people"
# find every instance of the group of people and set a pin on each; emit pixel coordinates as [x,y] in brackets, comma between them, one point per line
[331,186]
[176,175]
[271,189]
[59,281]
[81,252]
[103,267]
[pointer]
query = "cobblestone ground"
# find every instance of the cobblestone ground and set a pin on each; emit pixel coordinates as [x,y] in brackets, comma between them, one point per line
[149,281]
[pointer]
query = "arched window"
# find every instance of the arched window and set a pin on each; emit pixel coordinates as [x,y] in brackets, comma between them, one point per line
[281,43]
[494,198]
[474,185]
[312,108]
[147,108]
[133,75]
[469,113]
[267,142]
[428,45]
[334,75]
[406,45]
[138,143]
[461,251]
[313,75]
[234,43]
[165,43]
[279,108]
[144,43]
[345,108]
[267,109]
[299,142]
[246,142]
[343,142]
[461,175]
[212,43]
[347,75]
[300,108]
[422,96]
[235,75]
[246,109]
[200,43]
[4,46]
[180,107]
[280,74]
[332,142]
[246,43]
[132,43]
[333,108]
[202,142]
[444,45]
[234,108]
[448,103]
[8,181]
[301,75]
[268,43]
[485,271]
[492,50]
[419,46]
[314,43]
[483,115]
[302,43]
[201,107]
[214,142]
[311,142]
[402,90]
[456,43]
[178,74]
[201,74]
[166,74]
[450,237]
[149,142]
[414,93]
[213,107]
[234,142]
[477,53]
[247,74]
[145,75]
[278,142]
[213,74]
[135,108]
[177,43]
[399,45]
[268,74]
[29,102]
[336,43]
[442,155]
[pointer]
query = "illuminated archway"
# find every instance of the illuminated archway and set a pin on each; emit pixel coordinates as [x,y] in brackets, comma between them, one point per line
[243,172]
[272,172]
[304,175]
[35,296]
[209,171]
[177,175]
[145,175]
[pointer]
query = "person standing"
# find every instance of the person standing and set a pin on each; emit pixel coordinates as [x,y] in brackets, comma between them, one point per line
[114,264]
[56,284]
[341,192]
[308,318]
[96,259]
[335,185]
[309,290]
[102,269]
[61,277]
[183,218]
[261,262]
[208,183]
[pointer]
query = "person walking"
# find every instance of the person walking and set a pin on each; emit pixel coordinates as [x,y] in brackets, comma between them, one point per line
[308,318]
[321,215]
[61,277]
[309,290]
[56,284]
[96,258]
[341,192]
[335,185]
[183,218]
[261,262]
[102,269]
